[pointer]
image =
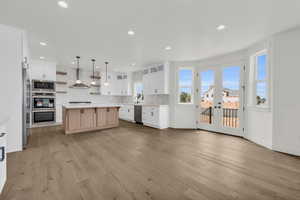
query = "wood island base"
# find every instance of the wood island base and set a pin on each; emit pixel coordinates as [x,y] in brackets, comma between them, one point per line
[83,119]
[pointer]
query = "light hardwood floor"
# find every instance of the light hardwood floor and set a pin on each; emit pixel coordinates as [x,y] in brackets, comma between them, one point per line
[133,162]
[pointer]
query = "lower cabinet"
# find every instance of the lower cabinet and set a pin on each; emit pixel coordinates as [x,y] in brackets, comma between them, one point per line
[88,119]
[73,119]
[112,117]
[127,113]
[101,117]
[156,116]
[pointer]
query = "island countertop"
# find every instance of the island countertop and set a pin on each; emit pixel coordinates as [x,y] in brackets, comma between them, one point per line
[93,105]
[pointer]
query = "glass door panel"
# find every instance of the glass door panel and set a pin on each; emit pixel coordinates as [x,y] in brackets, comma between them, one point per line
[207,96]
[220,99]
[231,97]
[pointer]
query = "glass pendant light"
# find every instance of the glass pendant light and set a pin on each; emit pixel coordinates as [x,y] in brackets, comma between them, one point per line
[78,81]
[93,82]
[106,81]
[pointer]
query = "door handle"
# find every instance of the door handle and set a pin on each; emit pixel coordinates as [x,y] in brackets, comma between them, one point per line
[2,149]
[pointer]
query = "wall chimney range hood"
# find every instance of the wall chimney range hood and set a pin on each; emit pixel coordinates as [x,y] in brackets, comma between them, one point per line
[78,83]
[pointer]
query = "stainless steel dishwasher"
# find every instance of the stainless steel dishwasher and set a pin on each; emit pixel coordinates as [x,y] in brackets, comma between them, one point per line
[138,114]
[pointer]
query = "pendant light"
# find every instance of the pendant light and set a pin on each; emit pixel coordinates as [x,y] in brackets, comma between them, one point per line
[78,81]
[106,82]
[93,82]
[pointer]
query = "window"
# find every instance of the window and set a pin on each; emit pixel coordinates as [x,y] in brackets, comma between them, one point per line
[260,61]
[138,92]
[185,86]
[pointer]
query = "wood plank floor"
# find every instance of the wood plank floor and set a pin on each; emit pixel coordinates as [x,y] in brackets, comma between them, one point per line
[135,163]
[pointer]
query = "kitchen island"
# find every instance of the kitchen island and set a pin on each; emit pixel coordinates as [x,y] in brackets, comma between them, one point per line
[89,117]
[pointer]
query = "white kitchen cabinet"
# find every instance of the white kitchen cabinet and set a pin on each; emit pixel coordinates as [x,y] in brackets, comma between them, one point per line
[119,84]
[42,70]
[110,88]
[126,112]
[156,116]
[2,157]
[156,79]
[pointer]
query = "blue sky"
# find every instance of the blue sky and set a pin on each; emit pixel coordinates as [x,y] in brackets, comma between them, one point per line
[231,78]
[230,75]
[186,77]
[261,88]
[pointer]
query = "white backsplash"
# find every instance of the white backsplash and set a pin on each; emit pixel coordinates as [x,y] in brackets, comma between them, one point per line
[161,99]
[76,94]
[83,95]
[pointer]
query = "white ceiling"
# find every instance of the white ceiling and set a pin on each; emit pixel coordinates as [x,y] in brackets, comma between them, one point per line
[98,28]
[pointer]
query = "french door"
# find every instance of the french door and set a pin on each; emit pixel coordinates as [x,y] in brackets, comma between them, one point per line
[220,99]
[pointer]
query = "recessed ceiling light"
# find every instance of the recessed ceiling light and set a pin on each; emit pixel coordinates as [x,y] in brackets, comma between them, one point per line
[73,63]
[62,4]
[131,32]
[43,43]
[221,27]
[168,48]
[42,57]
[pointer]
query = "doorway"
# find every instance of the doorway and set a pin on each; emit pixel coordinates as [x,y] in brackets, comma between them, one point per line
[220,99]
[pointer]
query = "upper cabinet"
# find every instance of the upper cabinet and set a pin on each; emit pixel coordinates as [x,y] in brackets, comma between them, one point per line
[119,84]
[156,79]
[42,70]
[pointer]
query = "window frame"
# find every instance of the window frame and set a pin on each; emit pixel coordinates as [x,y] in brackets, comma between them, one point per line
[185,86]
[134,89]
[256,81]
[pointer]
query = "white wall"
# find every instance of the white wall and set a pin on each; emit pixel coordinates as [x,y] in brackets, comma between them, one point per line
[75,94]
[286,92]
[11,54]
[181,116]
[259,122]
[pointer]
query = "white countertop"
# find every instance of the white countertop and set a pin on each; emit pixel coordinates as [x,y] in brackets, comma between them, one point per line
[93,105]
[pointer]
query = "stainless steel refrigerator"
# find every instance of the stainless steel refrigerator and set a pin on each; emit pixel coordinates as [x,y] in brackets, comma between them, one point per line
[26,102]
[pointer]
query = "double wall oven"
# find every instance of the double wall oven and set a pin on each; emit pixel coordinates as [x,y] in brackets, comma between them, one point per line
[43,102]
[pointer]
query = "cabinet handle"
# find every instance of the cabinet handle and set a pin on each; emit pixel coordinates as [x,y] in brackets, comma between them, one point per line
[82,111]
[152,114]
[2,154]
[2,134]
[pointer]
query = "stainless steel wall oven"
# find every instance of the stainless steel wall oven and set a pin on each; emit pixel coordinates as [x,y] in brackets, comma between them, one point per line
[38,85]
[43,116]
